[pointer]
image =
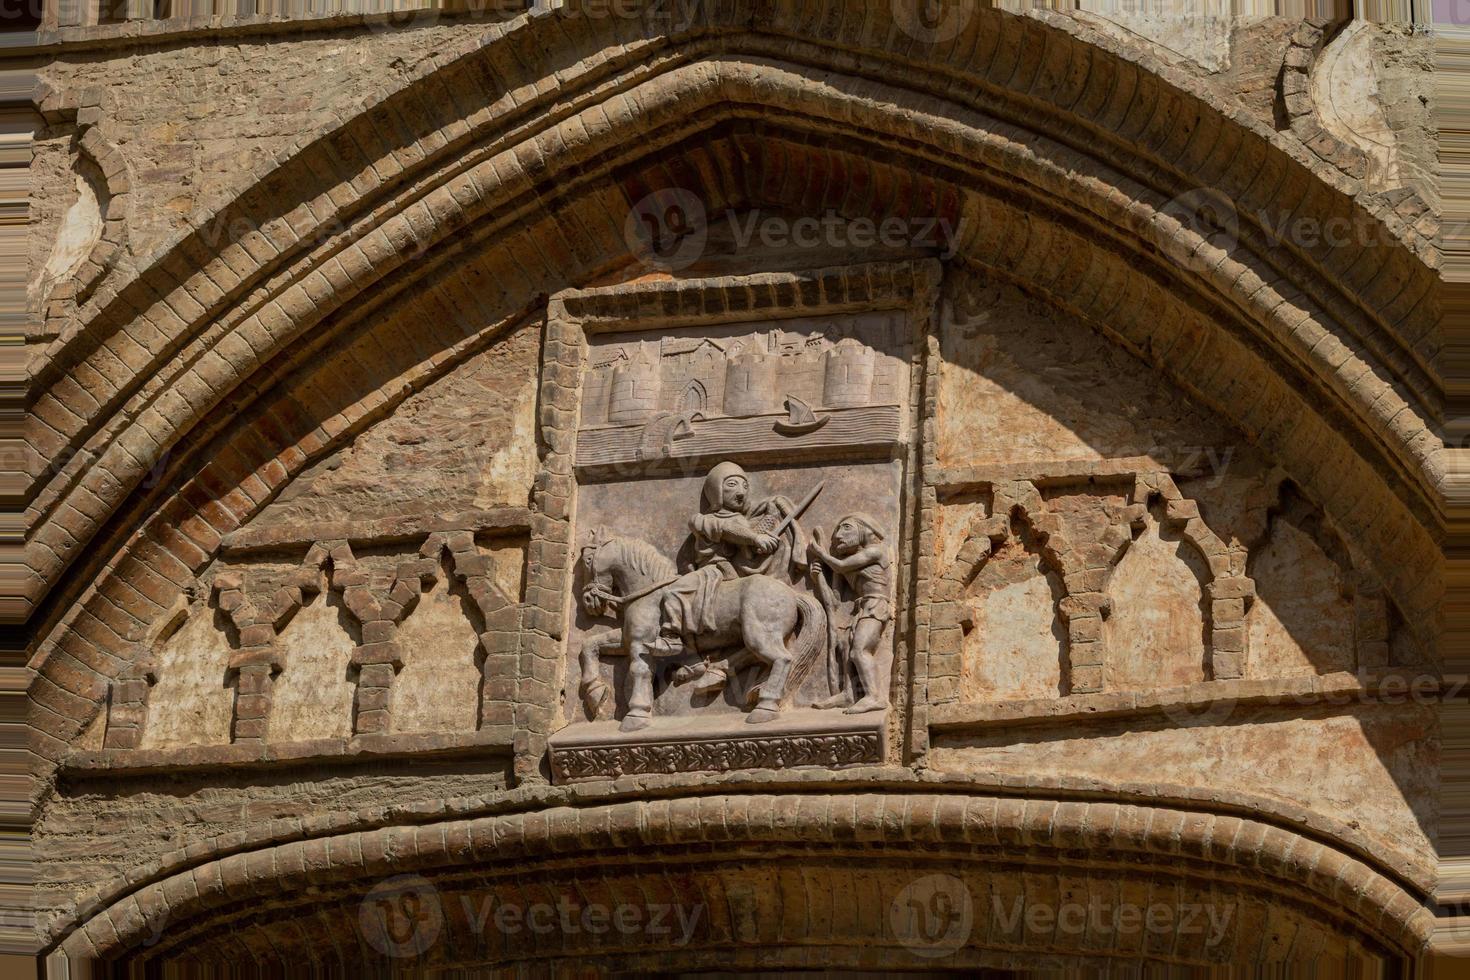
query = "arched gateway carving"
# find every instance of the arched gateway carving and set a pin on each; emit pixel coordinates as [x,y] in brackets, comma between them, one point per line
[510,311]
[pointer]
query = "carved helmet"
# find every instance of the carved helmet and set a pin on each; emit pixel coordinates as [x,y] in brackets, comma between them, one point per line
[713,496]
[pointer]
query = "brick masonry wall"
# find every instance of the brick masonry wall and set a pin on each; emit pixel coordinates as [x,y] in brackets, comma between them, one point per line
[267,379]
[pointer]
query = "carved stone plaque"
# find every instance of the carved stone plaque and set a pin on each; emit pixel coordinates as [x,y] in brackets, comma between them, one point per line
[738,499]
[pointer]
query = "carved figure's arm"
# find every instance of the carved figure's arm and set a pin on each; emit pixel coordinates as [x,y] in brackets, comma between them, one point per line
[871,555]
[736,530]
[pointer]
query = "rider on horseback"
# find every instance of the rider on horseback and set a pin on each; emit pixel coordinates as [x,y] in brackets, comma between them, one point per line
[732,539]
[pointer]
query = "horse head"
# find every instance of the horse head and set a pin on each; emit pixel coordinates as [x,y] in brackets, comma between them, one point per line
[599,575]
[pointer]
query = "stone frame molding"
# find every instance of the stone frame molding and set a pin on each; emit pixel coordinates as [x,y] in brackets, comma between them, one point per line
[910,286]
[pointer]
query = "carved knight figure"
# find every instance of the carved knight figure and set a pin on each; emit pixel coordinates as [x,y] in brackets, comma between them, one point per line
[737,600]
[732,538]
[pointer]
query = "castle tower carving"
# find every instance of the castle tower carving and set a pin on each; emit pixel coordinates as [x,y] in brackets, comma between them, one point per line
[848,375]
[636,384]
[750,384]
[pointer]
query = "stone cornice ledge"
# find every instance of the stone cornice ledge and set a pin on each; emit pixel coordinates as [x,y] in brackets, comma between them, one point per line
[1209,700]
[386,530]
[121,762]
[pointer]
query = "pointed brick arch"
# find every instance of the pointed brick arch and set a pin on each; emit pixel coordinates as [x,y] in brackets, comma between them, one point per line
[216,893]
[434,222]
[228,298]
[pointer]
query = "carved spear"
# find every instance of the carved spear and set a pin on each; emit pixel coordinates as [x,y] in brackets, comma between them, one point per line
[836,671]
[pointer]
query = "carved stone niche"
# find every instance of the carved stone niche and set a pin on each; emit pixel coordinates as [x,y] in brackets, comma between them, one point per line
[719,429]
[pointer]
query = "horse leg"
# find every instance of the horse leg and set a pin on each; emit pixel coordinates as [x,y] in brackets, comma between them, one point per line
[768,614]
[772,650]
[640,697]
[640,628]
[595,692]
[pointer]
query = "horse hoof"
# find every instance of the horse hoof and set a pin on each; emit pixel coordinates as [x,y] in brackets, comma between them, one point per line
[760,716]
[634,723]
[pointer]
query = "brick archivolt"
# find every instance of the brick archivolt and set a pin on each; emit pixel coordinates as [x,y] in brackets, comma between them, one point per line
[1054,121]
[1188,848]
[229,364]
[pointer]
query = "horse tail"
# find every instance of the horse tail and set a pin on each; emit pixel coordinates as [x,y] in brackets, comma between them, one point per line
[808,644]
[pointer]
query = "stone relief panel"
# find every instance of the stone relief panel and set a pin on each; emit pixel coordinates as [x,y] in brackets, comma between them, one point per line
[670,506]
[737,523]
[827,384]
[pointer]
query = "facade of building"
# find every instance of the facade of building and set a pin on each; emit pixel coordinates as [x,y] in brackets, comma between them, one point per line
[735,485]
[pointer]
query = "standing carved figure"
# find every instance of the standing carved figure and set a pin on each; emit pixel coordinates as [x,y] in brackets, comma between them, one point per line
[738,597]
[861,556]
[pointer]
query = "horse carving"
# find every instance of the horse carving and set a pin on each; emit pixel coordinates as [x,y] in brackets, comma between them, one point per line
[760,619]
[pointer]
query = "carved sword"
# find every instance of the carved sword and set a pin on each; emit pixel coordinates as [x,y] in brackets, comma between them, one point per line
[796,512]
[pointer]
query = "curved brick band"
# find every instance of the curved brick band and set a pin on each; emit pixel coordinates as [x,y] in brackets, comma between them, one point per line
[1406,871]
[287,434]
[1357,316]
[1198,852]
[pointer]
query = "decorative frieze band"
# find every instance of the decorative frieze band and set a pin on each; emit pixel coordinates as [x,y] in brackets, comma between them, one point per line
[378,603]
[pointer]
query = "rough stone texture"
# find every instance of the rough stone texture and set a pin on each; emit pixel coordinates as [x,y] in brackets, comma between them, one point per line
[312,697]
[465,441]
[1156,633]
[306,480]
[197,117]
[1376,763]
[192,698]
[436,690]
